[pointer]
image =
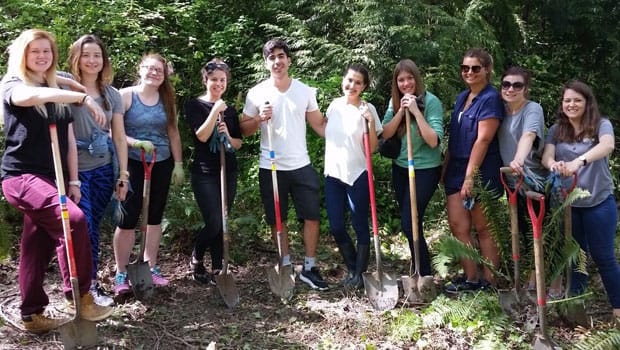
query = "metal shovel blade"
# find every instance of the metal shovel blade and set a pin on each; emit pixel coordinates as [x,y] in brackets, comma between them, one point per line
[78,333]
[281,281]
[228,290]
[140,279]
[543,343]
[382,290]
[410,289]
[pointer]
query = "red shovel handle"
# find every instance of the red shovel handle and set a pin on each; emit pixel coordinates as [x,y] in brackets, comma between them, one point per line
[512,194]
[371,184]
[537,218]
[148,167]
[565,192]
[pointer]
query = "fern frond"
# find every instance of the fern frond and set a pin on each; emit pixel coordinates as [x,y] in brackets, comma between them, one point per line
[605,340]
[450,250]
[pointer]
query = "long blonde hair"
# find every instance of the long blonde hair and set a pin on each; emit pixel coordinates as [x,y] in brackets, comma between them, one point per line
[17,66]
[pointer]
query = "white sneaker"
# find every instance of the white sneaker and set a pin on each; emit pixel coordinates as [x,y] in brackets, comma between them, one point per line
[99,295]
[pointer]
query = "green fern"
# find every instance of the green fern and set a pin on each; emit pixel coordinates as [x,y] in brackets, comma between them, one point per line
[604,340]
[450,250]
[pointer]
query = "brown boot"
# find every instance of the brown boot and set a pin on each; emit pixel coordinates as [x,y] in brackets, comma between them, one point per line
[39,324]
[91,311]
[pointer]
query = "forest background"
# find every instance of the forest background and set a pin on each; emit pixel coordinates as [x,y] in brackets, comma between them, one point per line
[556,40]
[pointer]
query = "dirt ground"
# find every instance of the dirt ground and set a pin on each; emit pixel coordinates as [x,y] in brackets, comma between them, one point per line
[189,315]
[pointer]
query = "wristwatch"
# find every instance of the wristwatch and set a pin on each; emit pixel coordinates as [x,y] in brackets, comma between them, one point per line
[583,159]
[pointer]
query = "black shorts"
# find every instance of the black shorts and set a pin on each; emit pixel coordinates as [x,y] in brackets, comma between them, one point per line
[160,184]
[302,184]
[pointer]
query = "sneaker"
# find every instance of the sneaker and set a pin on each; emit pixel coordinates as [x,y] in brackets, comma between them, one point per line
[465,286]
[121,286]
[91,311]
[158,279]
[313,278]
[100,296]
[199,272]
[39,324]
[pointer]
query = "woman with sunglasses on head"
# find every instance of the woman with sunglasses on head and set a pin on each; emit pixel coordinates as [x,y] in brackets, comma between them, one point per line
[346,176]
[90,66]
[150,125]
[211,120]
[581,141]
[473,150]
[409,93]
[31,104]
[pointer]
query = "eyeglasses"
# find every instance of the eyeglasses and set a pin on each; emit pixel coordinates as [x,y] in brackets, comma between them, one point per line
[154,69]
[211,66]
[475,69]
[517,85]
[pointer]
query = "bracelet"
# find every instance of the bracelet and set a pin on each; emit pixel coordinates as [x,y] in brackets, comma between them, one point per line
[83,99]
[124,173]
[121,182]
[77,183]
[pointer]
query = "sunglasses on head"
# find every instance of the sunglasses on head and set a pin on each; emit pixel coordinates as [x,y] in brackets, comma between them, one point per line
[211,66]
[475,69]
[516,85]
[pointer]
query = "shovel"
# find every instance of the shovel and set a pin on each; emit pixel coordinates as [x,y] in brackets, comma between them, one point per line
[381,288]
[138,272]
[510,300]
[224,280]
[542,340]
[573,313]
[281,278]
[417,289]
[78,332]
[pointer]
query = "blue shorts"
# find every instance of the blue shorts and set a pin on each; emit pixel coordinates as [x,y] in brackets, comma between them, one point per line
[302,184]
[489,171]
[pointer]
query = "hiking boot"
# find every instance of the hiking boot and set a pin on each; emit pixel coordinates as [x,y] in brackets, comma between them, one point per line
[91,311]
[39,324]
[361,265]
[348,255]
[464,286]
[199,272]
[313,278]
[99,295]
[158,279]
[121,286]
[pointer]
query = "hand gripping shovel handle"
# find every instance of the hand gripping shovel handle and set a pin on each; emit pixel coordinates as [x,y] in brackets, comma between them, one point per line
[514,219]
[371,190]
[66,227]
[146,195]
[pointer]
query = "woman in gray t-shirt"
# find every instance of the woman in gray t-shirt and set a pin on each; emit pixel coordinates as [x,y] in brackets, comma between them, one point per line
[581,142]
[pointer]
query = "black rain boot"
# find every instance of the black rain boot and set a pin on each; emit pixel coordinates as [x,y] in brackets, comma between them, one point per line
[348,255]
[361,265]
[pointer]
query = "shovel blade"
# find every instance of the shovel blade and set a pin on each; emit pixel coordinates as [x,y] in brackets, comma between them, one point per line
[426,288]
[78,333]
[382,290]
[139,275]
[410,289]
[281,281]
[228,290]
[542,342]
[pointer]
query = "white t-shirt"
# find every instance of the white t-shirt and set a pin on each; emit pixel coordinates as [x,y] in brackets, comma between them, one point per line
[344,140]
[288,122]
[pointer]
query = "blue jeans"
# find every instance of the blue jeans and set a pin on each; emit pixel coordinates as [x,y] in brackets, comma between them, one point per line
[208,196]
[338,195]
[426,181]
[594,229]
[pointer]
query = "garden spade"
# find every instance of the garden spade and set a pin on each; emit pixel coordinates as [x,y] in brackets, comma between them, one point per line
[224,280]
[542,340]
[509,300]
[138,272]
[281,277]
[417,289]
[381,288]
[78,332]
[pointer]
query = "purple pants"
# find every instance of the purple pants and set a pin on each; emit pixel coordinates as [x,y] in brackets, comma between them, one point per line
[37,198]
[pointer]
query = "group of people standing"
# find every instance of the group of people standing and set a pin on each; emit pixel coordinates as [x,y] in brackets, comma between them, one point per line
[106,135]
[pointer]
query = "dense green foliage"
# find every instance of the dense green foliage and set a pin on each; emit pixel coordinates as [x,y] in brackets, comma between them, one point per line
[556,40]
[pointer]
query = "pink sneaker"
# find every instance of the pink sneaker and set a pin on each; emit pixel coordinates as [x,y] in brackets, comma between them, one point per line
[120,283]
[158,279]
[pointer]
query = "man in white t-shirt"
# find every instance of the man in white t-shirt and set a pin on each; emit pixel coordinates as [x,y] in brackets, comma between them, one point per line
[287,103]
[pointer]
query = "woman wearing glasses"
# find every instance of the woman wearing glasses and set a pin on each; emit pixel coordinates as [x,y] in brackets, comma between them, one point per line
[150,124]
[214,124]
[473,149]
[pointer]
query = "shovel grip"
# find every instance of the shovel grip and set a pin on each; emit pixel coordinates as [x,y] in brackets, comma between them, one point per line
[512,194]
